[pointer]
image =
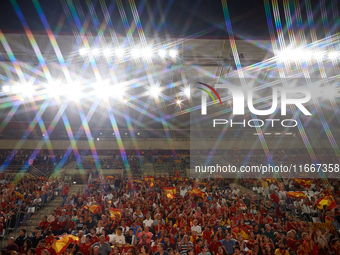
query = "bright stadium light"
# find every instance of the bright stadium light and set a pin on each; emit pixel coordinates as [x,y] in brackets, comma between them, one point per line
[178,102]
[27,90]
[147,52]
[187,91]
[83,51]
[296,55]
[173,53]
[155,91]
[307,55]
[53,89]
[6,89]
[74,91]
[135,53]
[318,55]
[119,90]
[284,55]
[107,52]
[162,53]
[102,89]
[332,55]
[95,52]
[16,89]
[119,52]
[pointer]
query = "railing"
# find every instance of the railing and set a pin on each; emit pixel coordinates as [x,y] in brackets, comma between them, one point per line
[36,172]
[30,210]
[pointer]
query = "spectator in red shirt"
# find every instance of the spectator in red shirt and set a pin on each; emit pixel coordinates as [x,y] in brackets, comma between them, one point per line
[42,246]
[64,193]
[275,198]
[207,233]
[213,246]
[85,247]
[199,243]
[44,224]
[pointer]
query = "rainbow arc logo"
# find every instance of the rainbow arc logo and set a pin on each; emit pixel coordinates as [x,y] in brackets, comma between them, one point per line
[209,93]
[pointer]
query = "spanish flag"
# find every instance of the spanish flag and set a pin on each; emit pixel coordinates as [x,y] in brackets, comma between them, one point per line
[197,192]
[204,184]
[116,212]
[296,194]
[264,184]
[147,178]
[94,208]
[170,195]
[170,189]
[304,182]
[61,245]
[327,200]
[137,181]
[20,195]
[151,180]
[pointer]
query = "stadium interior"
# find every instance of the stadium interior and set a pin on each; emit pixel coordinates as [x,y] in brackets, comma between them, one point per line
[100,135]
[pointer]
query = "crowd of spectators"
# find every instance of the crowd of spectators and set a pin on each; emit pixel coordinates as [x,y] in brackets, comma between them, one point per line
[279,156]
[42,160]
[20,198]
[206,217]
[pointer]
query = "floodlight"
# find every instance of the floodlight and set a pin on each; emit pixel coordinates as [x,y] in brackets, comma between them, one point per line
[119,90]
[162,53]
[332,55]
[95,52]
[135,53]
[102,89]
[187,91]
[147,52]
[119,52]
[318,55]
[74,91]
[173,53]
[178,101]
[6,89]
[27,90]
[154,91]
[16,89]
[83,51]
[107,52]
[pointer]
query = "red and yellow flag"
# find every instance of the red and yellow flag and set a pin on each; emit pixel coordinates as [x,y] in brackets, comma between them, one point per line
[20,195]
[327,200]
[147,178]
[197,192]
[61,245]
[170,189]
[116,212]
[203,184]
[304,182]
[170,195]
[295,194]
[94,208]
[150,179]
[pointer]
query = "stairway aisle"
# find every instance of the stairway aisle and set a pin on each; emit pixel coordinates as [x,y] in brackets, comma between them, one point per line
[35,219]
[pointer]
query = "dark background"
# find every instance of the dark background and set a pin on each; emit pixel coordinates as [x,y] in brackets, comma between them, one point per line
[167,18]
